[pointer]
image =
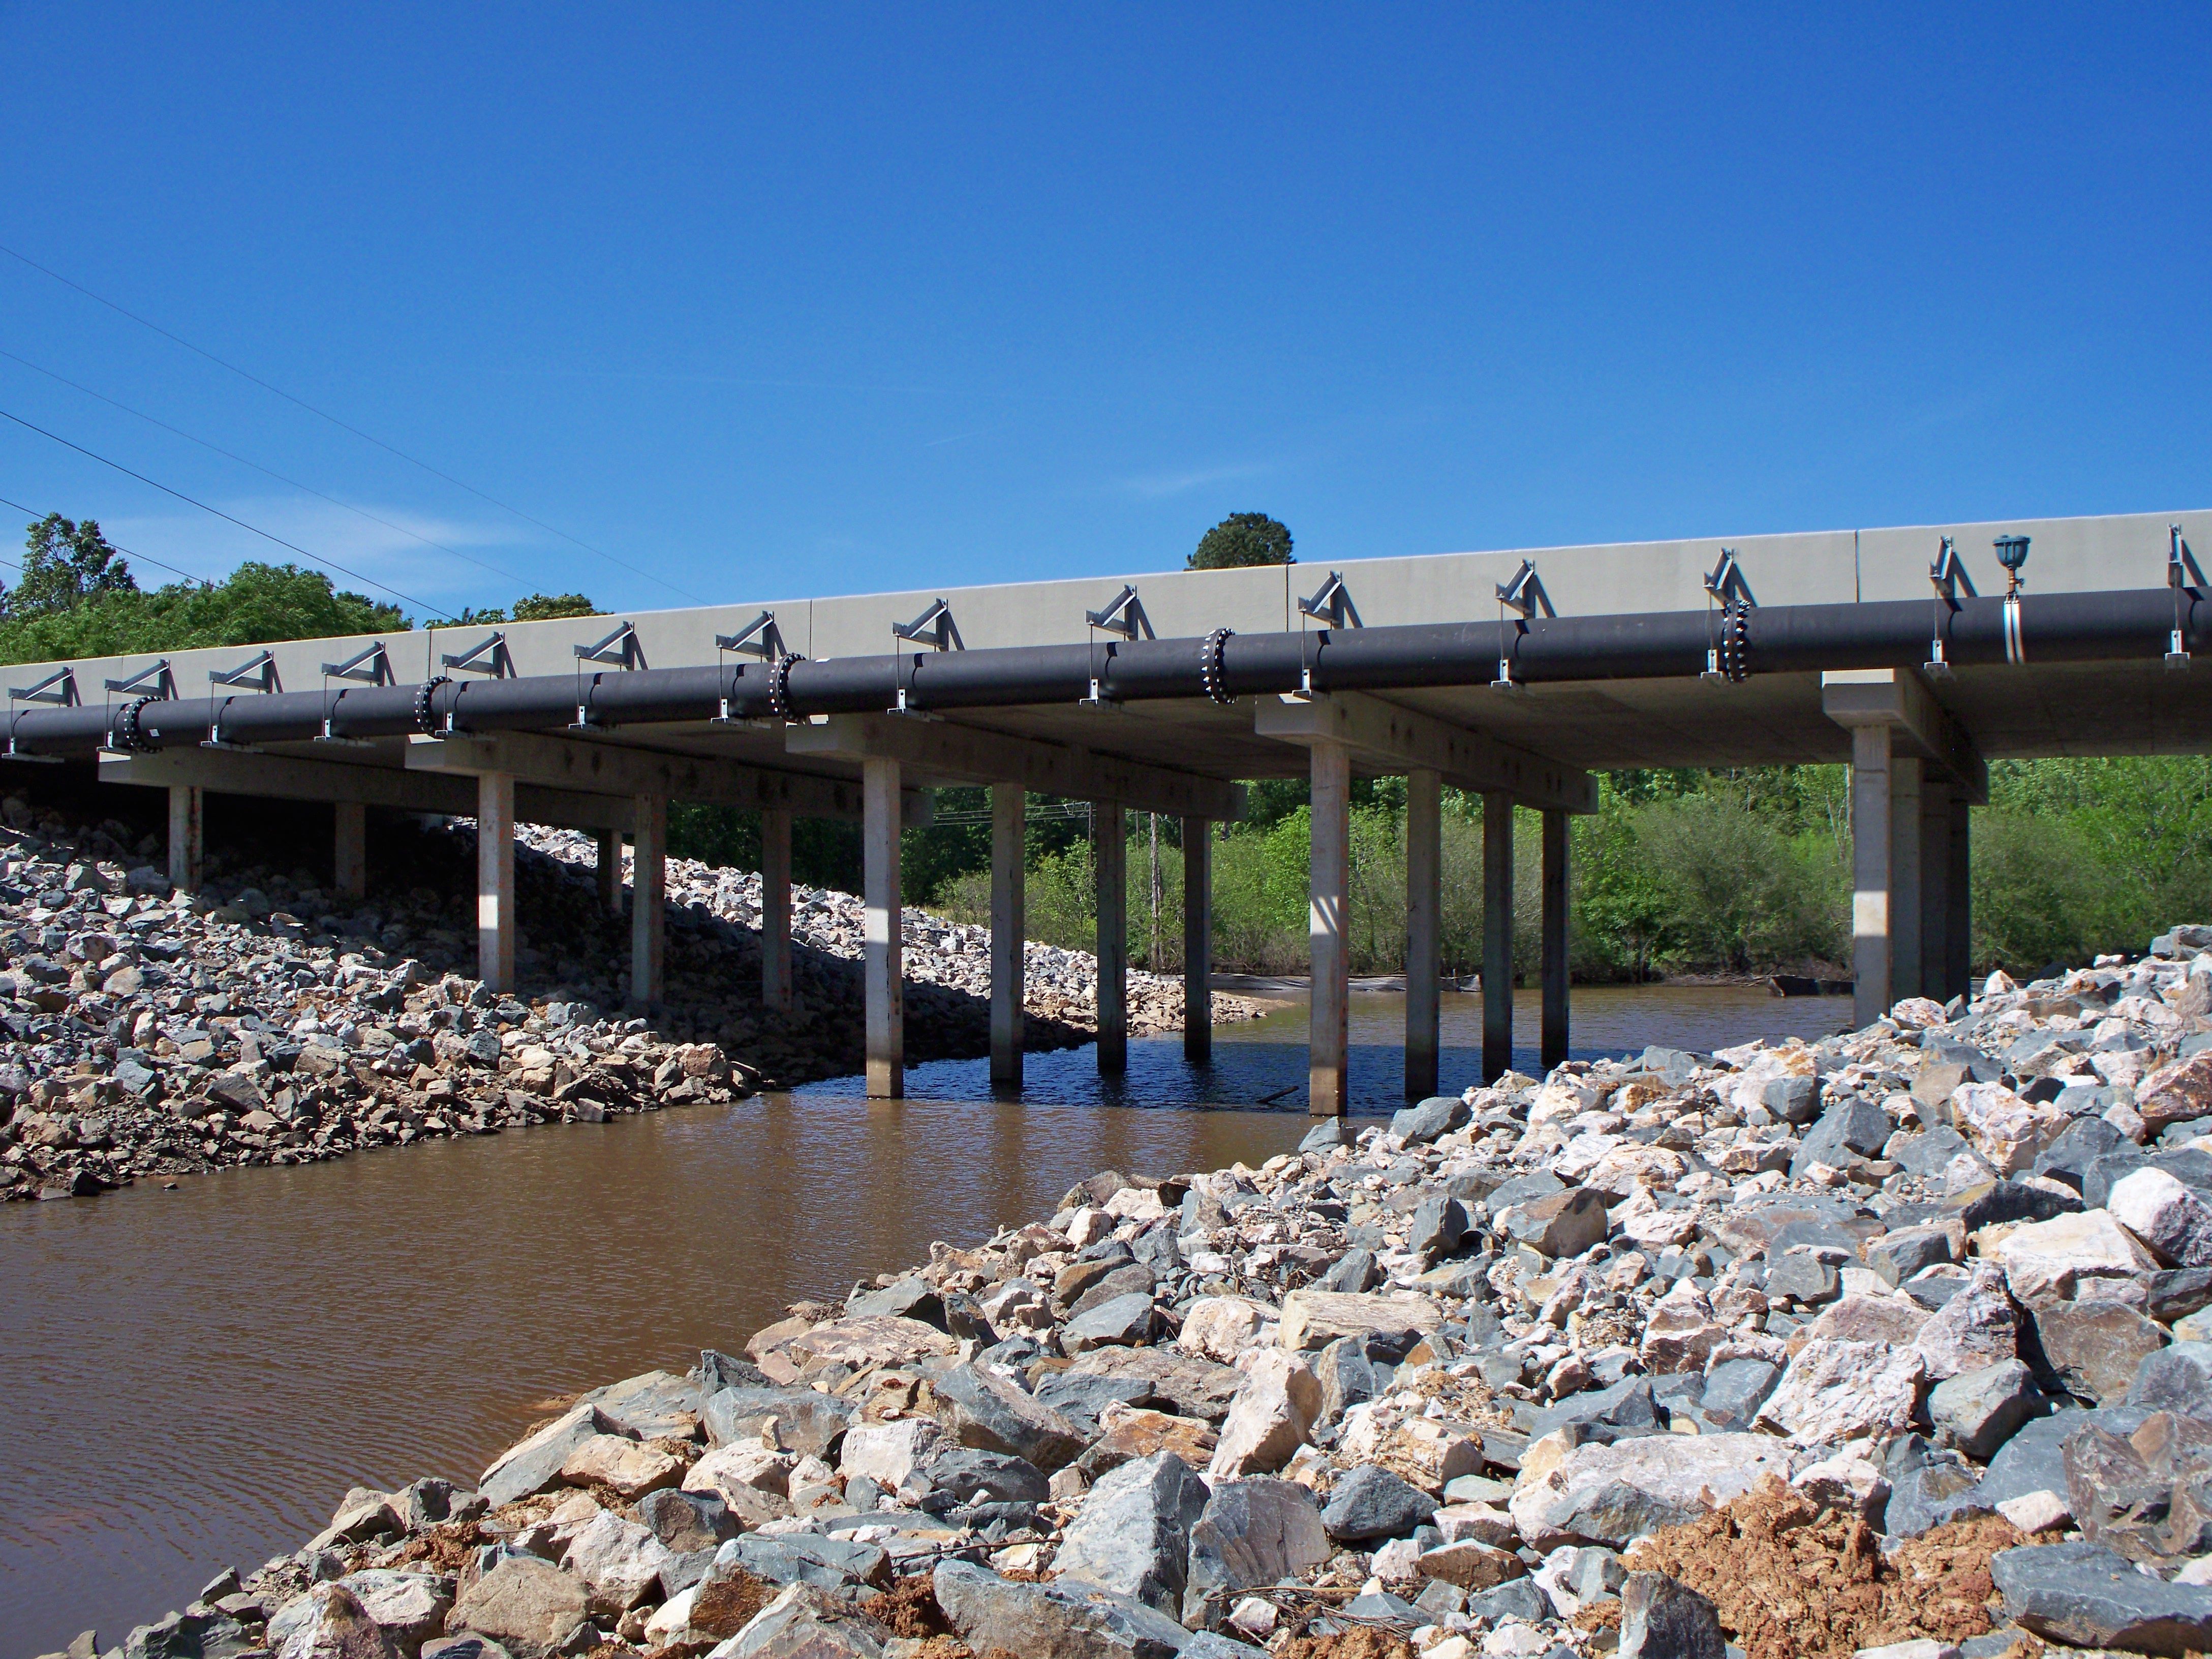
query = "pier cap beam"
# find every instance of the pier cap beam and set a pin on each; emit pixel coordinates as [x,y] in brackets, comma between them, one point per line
[945,749]
[1919,726]
[608,769]
[1403,740]
[287,777]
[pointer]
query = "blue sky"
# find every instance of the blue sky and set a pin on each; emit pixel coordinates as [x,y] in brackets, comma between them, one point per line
[781,301]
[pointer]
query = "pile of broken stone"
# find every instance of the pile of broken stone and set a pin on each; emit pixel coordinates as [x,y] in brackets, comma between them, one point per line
[1941,1286]
[147,1032]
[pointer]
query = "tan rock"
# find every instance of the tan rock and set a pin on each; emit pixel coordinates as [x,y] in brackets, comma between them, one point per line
[1681,1332]
[870,1339]
[1271,1417]
[1836,1390]
[1135,1431]
[1419,1450]
[1472,1565]
[2005,1129]
[1220,1328]
[2087,1254]
[1887,1317]
[529,1606]
[2177,1093]
[631,1469]
[1314,1319]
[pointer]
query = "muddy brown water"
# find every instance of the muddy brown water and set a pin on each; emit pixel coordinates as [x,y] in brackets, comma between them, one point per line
[192,1378]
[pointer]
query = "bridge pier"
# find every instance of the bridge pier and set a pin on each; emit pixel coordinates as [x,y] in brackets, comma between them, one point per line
[187,843]
[349,849]
[881,944]
[1425,899]
[1009,922]
[609,870]
[1111,851]
[1553,1035]
[775,910]
[649,898]
[496,880]
[1197,940]
[1329,866]
[1497,934]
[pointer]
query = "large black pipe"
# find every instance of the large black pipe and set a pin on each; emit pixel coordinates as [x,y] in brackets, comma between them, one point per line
[1782,639]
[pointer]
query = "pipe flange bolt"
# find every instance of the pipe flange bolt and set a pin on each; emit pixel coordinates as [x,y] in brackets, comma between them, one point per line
[127,737]
[779,684]
[425,717]
[1212,672]
[1735,642]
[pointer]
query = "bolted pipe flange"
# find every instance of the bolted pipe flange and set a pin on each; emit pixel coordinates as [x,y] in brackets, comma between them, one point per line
[126,735]
[425,718]
[1736,641]
[1212,673]
[779,684]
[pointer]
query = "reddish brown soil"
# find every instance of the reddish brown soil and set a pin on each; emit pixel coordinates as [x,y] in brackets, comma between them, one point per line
[1792,1582]
[1363,1643]
[724,1607]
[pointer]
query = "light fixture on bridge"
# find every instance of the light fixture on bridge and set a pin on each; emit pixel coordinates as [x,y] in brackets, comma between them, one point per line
[1947,574]
[2012,554]
[2182,575]
[1524,596]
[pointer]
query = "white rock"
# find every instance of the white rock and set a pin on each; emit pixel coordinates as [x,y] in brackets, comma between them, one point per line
[1844,1482]
[620,1559]
[1836,1390]
[886,1453]
[2037,1511]
[2007,1130]
[1272,1416]
[2173,1220]
[2061,1259]
[1220,1328]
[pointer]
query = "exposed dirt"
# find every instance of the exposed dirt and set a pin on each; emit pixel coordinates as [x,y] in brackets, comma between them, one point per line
[1363,1643]
[1793,1581]
[910,1608]
[723,1607]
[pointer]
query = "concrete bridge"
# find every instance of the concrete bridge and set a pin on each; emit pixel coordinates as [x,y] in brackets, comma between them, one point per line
[1516,675]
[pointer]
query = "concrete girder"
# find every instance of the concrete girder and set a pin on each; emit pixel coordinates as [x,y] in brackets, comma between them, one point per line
[287,777]
[610,768]
[1401,739]
[946,749]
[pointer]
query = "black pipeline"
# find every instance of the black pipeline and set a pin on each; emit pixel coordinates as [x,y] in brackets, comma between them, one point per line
[2129,626]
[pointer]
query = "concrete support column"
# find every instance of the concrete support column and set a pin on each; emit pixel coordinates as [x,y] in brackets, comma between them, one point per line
[1497,934]
[187,843]
[881,939]
[775,910]
[1871,868]
[609,842]
[1328,1085]
[1009,931]
[1554,1035]
[496,880]
[1958,931]
[1935,865]
[1425,903]
[1197,940]
[1904,874]
[349,849]
[649,900]
[1111,846]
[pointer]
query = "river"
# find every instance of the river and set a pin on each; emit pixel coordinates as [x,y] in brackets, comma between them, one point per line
[193,1378]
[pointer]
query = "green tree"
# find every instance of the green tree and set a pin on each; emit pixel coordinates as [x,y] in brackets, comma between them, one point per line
[256,604]
[64,564]
[542,607]
[1243,539]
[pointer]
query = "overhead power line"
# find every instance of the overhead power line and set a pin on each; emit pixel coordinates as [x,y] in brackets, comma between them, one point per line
[125,551]
[315,558]
[361,512]
[366,437]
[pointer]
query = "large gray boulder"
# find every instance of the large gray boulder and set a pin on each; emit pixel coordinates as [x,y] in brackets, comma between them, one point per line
[981,1409]
[2175,1379]
[1251,1531]
[1132,1536]
[1058,1621]
[1123,1322]
[1976,1411]
[967,1476]
[533,1464]
[330,1622]
[807,1423]
[2085,1594]
[807,1623]
[1851,1128]
[1370,1502]
[1660,1619]
[1429,1120]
